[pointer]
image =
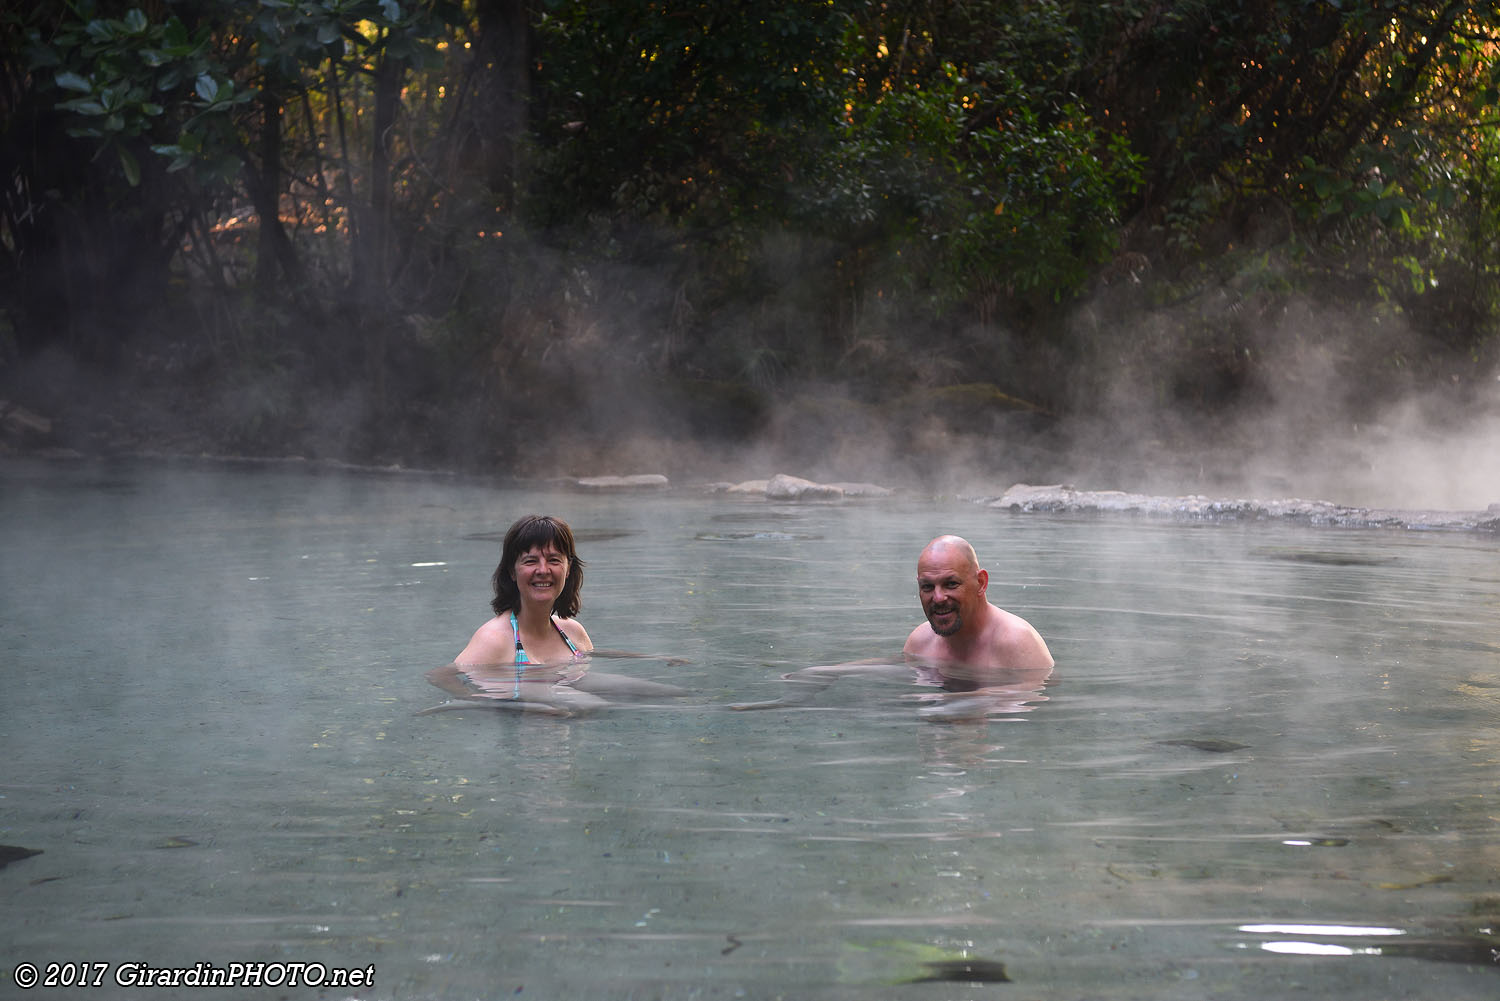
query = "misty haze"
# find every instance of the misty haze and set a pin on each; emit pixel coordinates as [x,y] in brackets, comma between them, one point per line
[1185,314]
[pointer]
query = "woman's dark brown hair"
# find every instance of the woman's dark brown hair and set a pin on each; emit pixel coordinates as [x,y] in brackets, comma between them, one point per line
[528,533]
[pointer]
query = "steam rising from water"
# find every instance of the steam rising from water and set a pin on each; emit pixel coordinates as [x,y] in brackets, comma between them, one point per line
[1405,459]
[1333,410]
[1235,394]
[1309,424]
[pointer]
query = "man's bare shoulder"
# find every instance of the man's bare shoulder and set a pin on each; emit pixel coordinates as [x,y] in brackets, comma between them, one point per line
[1015,642]
[920,641]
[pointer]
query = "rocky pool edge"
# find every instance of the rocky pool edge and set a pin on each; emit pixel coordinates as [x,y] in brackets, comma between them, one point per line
[1019,498]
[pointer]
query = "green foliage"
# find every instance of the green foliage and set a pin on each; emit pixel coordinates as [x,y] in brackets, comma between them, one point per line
[987,174]
[1030,202]
[697,113]
[186,88]
[808,178]
[1056,190]
[114,79]
[291,38]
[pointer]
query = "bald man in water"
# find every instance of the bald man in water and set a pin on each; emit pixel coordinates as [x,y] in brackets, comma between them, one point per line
[965,636]
[967,646]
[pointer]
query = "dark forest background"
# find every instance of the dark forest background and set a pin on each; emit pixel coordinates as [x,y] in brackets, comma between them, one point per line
[559,236]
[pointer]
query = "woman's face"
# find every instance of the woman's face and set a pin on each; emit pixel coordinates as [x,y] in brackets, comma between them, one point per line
[540,574]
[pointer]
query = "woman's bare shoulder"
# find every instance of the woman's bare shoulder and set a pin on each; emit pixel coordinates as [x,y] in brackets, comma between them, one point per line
[574,630]
[492,643]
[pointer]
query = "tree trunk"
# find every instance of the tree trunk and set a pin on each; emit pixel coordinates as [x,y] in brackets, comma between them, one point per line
[372,284]
[502,92]
[274,248]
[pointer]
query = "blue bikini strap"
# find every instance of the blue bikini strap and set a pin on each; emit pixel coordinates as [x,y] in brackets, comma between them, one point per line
[521,657]
[515,629]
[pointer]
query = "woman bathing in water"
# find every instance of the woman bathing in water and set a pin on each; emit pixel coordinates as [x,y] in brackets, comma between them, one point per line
[534,654]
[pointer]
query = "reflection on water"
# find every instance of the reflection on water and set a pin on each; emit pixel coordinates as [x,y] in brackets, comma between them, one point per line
[1266,765]
[753,536]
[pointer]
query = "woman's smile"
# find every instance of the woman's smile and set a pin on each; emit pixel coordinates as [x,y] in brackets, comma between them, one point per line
[542,571]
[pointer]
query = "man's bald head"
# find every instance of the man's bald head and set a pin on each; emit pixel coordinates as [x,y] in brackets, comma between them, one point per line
[949,548]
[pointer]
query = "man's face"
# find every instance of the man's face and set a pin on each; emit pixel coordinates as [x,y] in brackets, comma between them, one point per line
[950,587]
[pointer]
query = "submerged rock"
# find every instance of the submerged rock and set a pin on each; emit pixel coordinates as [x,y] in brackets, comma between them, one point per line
[1322,557]
[755,537]
[177,841]
[896,962]
[1213,745]
[15,853]
[963,971]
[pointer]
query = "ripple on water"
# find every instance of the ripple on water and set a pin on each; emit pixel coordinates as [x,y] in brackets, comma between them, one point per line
[740,516]
[756,537]
[580,535]
[1322,557]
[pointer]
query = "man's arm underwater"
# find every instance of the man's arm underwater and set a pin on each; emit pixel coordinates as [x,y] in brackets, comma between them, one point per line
[803,685]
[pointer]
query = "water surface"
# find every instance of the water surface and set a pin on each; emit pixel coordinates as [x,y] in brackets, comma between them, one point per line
[1266,765]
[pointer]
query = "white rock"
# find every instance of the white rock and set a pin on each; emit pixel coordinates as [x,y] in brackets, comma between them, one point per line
[639,481]
[794,488]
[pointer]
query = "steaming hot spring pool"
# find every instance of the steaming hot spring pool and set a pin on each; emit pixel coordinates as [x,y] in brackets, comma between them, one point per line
[1268,765]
